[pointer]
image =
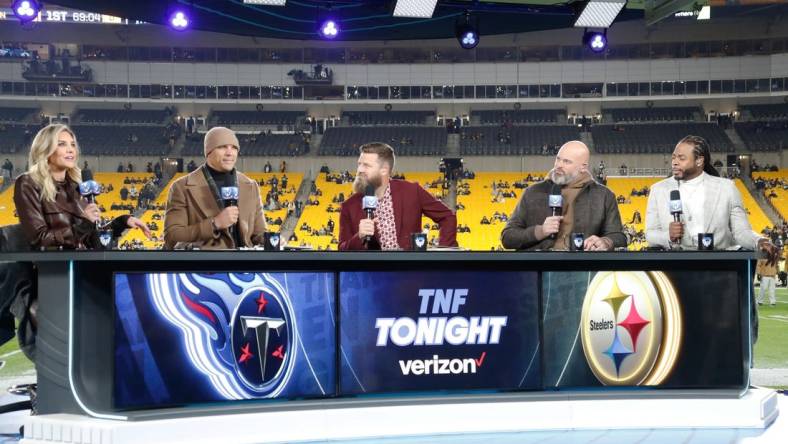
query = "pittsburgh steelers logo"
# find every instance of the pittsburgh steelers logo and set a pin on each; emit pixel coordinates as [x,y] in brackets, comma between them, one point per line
[631,327]
[261,338]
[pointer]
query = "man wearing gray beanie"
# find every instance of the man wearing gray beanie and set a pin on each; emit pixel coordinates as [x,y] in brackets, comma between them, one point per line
[215,207]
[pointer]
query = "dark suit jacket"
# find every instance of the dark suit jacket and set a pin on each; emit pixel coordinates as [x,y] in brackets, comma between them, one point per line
[410,201]
[191,205]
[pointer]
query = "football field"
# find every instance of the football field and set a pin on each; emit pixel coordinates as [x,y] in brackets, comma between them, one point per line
[771,350]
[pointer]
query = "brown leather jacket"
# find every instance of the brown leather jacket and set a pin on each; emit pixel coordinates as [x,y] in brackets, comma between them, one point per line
[60,223]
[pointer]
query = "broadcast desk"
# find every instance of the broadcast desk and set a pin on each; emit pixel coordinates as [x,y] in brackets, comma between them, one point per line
[192,345]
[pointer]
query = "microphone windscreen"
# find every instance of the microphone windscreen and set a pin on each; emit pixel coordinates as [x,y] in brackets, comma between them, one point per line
[229,193]
[86,188]
[369,191]
[675,202]
[555,199]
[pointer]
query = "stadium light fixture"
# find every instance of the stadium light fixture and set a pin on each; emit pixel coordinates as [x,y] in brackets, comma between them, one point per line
[329,29]
[26,10]
[599,13]
[595,41]
[415,8]
[178,20]
[467,34]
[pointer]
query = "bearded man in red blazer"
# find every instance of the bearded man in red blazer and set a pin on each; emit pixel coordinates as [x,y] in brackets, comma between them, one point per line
[399,210]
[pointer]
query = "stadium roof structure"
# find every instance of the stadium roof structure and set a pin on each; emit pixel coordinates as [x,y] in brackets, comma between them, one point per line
[361,20]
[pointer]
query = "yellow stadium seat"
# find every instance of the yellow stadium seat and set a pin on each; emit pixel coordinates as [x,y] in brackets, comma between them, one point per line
[781,201]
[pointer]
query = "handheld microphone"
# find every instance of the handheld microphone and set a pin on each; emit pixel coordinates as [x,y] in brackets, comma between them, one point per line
[369,204]
[556,203]
[675,205]
[89,188]
[230,196]
[230,199]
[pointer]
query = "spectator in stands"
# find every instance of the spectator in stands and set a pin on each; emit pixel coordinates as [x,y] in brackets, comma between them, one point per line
[710,205]
[267,168]
[588,208]
[191,166]
[51,210]
[283,167]
[120,167]
[129,168]
[195,211]
[400,208]
[8,169]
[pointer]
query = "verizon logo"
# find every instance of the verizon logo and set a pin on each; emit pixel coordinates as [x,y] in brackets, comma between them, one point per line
[441,366]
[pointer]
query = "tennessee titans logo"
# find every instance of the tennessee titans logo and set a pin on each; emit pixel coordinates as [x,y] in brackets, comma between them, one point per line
[238,328]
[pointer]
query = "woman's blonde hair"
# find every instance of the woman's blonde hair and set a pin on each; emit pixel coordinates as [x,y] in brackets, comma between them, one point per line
[44,145]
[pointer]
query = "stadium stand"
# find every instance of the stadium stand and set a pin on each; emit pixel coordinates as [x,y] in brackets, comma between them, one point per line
[764,112]
[154,214]
[522,116]
[12,115]
[134,140]
[276,213]
[515,140]
[484,201]
[7,211]
[652,114]
[774,186]
[755,214]
[229,118]
[133,182]
[656,137]
[16,137]
[357,118]
[407,141]
[261,144]
[764,135]
[630,194]
[122,116]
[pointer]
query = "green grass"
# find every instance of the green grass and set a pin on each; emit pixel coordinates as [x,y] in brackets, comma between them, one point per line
[16,363]
[771,350]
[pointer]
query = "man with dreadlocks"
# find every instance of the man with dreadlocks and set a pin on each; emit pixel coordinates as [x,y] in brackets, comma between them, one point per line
[710,204]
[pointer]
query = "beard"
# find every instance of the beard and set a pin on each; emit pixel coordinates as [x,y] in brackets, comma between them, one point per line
[360,183]
[561,179]
[683,174]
